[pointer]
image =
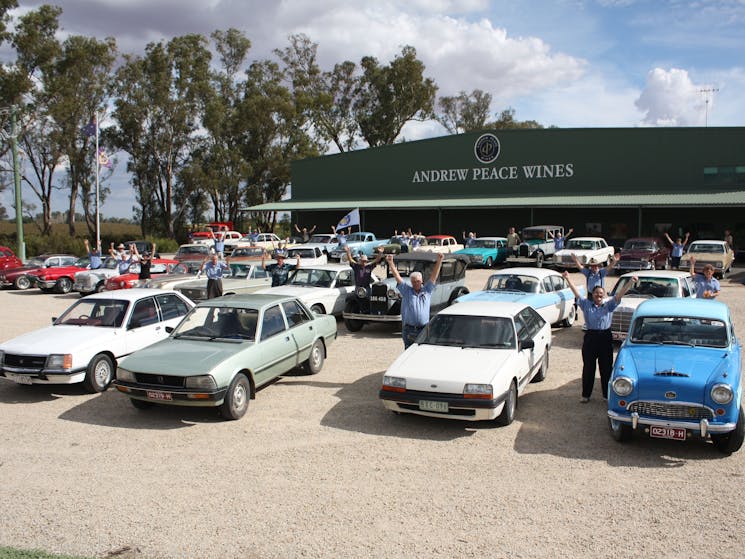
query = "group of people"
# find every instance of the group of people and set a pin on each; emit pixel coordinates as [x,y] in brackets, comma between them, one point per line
[124,258]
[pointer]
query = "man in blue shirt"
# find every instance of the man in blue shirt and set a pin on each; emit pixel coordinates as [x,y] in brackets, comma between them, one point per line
[415,299]
[594,273]
[677,251]
[559,238]
[123,259]
[219,239]
[597,346]
[94,255]
[707,286]
[214,269]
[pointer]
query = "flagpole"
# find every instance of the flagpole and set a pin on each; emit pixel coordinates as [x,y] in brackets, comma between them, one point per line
[98,168]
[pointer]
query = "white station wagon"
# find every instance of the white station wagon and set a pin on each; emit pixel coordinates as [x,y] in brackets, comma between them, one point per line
[471,362]
[584,248]
[85,343]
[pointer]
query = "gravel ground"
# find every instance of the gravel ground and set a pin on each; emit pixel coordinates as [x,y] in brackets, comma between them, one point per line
[318,468]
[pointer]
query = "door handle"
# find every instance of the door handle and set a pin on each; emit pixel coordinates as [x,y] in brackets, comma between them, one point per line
[287,338]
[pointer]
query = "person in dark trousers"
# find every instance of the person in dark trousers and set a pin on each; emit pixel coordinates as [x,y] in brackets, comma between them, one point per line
[214,268]
[677,251]
[362,268]
[146,260]
[415,299]
[597,346]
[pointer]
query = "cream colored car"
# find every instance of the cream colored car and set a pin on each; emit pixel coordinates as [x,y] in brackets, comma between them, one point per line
[716,253]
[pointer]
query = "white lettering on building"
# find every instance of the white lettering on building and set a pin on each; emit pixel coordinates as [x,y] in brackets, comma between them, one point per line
[533,172]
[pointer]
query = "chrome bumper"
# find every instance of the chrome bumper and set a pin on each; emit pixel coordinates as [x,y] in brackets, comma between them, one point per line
[703,426]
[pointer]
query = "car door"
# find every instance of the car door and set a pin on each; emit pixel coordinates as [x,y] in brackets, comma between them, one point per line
[564,296]
[144,326]
[343,285]
[536,330]
[172,308]
[551,310]
[301,328]
[277,347]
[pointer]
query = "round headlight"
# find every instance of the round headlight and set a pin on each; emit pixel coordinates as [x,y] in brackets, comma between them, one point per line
[362,292]
[622,386]
[721,393]
[392,294]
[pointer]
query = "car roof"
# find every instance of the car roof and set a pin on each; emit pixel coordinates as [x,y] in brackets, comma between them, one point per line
[544,227]
[329,267]
[674,306]
[247,300]
[129,294]
[440,237]
[709,241]
[657,274]
[525,271]
[485,308]
[188,245]
[491,238]
[587,239]
[643,239]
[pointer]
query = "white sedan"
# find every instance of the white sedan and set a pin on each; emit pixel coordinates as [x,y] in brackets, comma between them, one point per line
[84,344]
[322,288]
[470,363]
[584,248]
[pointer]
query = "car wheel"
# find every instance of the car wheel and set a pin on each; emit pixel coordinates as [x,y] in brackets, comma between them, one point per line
[510,404]
[541,374]
[236,399]
[100,287]
[64,285]
[353,325]
[141,404]
[22,282]
[619,430]
[569,320]
[100,373]
[539,260]
[732,441]
[318,309]
[457,293]
[314,364]
[489,262]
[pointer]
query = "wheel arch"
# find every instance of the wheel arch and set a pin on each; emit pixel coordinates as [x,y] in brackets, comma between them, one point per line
[251,383]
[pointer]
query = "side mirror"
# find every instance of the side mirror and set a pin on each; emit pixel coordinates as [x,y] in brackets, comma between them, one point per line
[527,344]
[54,319]
[170,329]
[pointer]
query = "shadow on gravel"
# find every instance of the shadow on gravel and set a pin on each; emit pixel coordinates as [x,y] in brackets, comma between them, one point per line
[12,393]
[360,410]
[111,409]
[555,422]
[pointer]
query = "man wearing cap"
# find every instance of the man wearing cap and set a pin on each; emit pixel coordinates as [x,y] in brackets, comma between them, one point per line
[595,274]
[123,260]
[279,271]
[362,268]
[415,299]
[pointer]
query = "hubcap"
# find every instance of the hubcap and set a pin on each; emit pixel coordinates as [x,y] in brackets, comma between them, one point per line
[102,373]
[239,397]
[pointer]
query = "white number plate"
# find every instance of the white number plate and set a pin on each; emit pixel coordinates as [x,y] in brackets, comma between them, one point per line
[429,405]
[20,379]
[667,433]
[159,395]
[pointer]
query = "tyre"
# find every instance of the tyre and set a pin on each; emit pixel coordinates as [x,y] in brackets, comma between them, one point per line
[541,374]
[539,260]
[489,262]
[314,364]
[510,404]
[22,282]
[141,404]
[64,285]
[352,324]
[732,441]
[100,373]
[318,309]
[619,430]
[236,400]
[569,320]
[101,286]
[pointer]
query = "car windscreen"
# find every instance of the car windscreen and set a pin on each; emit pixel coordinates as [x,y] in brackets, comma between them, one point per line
[247,251]
[407,267]
[36,262]
[680,331]
[706,247]
[638,245]
[648,287]
[469,331]
[218,323]
[95,312]
[239,271]
[482,243]
[309,277]
[576,244]
[200,249]
[534,234]
[356,238]
[512,282]
[322,239]
[302,252]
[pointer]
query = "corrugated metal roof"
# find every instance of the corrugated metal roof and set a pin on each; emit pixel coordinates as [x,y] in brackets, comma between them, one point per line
[727,198]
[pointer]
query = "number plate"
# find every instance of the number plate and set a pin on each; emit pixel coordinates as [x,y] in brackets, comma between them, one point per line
[429,405]
[20,379]
[619,336]
[159,395]
[667,433]
[378,298]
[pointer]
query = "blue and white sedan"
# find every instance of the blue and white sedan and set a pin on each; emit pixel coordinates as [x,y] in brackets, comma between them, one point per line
[470,363]
[678,374]
[544,290]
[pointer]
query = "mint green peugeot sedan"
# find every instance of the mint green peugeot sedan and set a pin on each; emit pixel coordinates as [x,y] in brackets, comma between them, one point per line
[224,350]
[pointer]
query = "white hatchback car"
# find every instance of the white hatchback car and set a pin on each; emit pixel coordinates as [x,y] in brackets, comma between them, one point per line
[84,344]
[470,363]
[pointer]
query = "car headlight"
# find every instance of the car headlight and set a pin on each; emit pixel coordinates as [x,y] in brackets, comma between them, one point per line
[393,294]
[397,384]
[478,391]
[362,292]
[59,361]
[622,386]
[719,264]
[721,393]
[203,382]
[125,375]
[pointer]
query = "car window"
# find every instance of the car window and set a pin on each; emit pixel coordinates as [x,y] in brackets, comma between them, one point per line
[687,287]
[171,306]
[558,283]
[273,323]
[52,262]
[447,271]
[344,279]
[533,320]
[295,313]
[144,313]
[260,272]
[547,285]
[69,260]
[523,333]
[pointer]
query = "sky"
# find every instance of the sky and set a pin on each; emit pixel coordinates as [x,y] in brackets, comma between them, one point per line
[567,63]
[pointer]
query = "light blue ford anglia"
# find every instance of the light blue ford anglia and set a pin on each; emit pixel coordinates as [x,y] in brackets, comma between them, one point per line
[224,350]
[678,375]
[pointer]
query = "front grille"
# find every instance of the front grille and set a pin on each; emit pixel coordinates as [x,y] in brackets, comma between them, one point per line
[160,380]
[671,411]
[25,361]
[379,298]
[524,250]
[621,320]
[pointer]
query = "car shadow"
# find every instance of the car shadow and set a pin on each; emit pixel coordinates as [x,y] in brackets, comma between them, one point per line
[110,409]
[12,393]
[359,410]
[555,422]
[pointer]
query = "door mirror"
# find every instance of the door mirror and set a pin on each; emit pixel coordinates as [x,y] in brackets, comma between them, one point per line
[527,344]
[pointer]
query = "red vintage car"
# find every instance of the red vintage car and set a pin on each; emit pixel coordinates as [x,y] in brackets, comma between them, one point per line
[19,277]
[8,259]
[643,253]
[58,278]
[159,267]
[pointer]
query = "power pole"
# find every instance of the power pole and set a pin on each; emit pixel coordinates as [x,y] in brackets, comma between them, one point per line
[706,102]
[21,249]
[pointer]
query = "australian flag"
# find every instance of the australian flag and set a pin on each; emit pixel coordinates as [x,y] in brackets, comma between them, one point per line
[352,218]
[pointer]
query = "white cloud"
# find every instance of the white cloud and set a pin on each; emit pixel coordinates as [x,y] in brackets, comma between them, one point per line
[670,98]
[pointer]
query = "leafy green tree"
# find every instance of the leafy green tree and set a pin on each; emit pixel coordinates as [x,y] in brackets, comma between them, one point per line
[506,121]
[388,97]
[465,112]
